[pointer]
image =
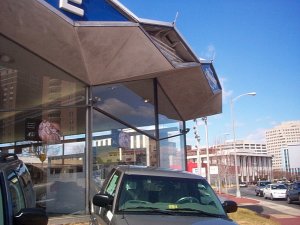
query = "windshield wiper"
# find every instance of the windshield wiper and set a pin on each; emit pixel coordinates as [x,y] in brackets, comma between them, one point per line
[198,211]
[149,209]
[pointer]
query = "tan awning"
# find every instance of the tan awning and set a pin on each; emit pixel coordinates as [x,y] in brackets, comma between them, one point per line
[107,52]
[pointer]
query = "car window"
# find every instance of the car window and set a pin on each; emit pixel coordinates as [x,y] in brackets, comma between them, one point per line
[24,174]
[140,192]
[112,184]
[1,208]
[281,186]
[17,197]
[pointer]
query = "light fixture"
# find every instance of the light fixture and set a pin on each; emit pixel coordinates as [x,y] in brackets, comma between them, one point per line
[5,58]
[95,100]
[184,131]
[238,192]
[146,100]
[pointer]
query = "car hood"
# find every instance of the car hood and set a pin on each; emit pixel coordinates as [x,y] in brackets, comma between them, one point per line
[169,219]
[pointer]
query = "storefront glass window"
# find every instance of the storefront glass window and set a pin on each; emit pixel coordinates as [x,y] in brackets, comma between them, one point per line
[171,134]
[27,81]
[53,151]
[170,123]
[41,120]
[172,153]
[130,102]
[114,143]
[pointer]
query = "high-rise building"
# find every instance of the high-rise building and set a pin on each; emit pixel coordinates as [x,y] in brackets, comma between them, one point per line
[291,162]
[280,137]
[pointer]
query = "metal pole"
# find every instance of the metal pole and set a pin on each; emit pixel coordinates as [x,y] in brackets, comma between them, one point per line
[238,192]
[197,137]
[207,150]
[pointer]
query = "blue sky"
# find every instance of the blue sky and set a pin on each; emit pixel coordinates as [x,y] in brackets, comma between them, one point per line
[255,46]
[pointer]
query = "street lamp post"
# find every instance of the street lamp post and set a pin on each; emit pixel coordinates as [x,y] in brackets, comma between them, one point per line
[197,137]
[207,150]
[238,193]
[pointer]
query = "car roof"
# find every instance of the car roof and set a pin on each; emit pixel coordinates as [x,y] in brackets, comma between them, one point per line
[156,171]
[8,160]
[264,181]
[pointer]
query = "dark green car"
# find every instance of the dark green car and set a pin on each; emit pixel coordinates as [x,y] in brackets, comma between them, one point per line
[17,197]
[293,192]
[143,195]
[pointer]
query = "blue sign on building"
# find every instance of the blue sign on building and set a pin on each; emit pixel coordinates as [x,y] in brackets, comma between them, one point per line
[88,10]
[211,77]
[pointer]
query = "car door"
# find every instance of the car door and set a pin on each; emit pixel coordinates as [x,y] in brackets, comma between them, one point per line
[294,192]
[104,215]
[267,191]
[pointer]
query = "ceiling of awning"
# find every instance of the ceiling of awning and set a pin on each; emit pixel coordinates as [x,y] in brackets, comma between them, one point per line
[190,93]
[107,52]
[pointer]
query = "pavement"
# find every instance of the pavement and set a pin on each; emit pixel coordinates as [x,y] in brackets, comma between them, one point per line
[283,214]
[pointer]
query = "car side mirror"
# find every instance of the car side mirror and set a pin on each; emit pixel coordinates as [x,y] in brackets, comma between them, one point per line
[103,200]
[30,216]
[230,206]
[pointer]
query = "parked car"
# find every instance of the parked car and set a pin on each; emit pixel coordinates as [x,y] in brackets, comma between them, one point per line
[274,191]
[17,197]
[134,195]
[293,192]
[243,184]
[260,187]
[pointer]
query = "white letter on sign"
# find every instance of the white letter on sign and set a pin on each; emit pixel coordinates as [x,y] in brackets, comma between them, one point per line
[65,5]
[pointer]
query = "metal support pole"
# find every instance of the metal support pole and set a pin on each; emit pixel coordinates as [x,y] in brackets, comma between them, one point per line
[207,151]
[238,193]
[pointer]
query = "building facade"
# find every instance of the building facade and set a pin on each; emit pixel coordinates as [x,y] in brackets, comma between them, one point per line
[291,162]
[87,86]
[279,138]
[253,162]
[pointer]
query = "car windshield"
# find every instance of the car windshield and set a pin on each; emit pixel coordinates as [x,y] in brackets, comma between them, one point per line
[156,194]
[278,187]
[264,183]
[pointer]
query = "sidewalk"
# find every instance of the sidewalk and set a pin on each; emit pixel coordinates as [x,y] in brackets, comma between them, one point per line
[283,214]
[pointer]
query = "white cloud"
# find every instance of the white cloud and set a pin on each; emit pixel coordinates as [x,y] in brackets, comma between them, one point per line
[226,94]
[258,136]
[210,52]
[115,105]
[274,123]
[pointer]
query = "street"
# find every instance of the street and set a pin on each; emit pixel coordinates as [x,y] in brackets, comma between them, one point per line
[248,192]
[279,210]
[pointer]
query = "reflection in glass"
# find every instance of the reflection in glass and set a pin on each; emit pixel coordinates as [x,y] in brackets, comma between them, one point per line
[57,169]
[172,153]
[27,81]
[170,122]
[114,143]
[131,102]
